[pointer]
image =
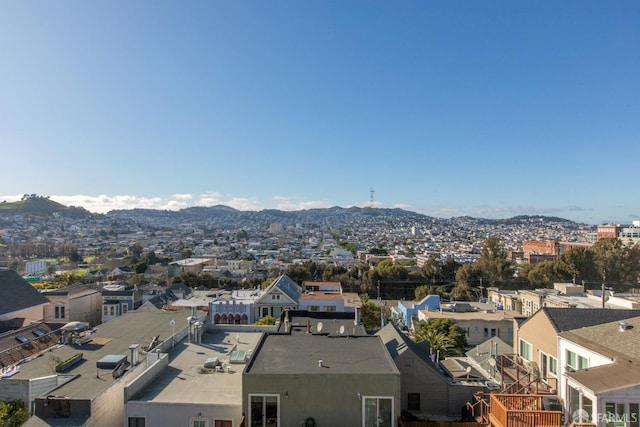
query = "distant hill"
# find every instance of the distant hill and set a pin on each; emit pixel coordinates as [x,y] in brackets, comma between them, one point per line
[224,216]
[42,206]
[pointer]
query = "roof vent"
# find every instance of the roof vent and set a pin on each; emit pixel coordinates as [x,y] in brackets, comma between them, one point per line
[623,326]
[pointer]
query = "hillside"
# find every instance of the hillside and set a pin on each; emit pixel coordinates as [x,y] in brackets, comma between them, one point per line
[41,206]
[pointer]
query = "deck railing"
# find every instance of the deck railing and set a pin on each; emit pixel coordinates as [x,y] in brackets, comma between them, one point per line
[521,411]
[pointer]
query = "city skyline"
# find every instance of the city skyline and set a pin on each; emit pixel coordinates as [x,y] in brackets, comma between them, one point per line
[489,109]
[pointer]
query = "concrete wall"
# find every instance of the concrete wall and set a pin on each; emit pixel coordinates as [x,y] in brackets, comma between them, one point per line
[146,377]
[332,400]
[180,414]
[241,328]
[108,408]
[12,389]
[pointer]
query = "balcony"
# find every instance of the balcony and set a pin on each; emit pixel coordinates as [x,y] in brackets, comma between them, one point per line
[521,410]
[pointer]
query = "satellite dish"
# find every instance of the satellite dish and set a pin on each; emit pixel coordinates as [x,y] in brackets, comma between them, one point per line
[342,330]
[492,362]
[319,327]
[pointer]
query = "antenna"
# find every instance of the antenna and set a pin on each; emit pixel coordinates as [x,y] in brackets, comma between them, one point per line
[372,191]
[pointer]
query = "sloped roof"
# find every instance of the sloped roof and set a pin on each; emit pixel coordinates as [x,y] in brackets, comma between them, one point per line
[287,286]
[605,378]
[397,343]
[16,293]
[567,319]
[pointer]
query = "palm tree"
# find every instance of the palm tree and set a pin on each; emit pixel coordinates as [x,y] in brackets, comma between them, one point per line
[439,342]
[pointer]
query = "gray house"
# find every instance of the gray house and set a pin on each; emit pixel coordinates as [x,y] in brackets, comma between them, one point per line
[426,389]
[316,372]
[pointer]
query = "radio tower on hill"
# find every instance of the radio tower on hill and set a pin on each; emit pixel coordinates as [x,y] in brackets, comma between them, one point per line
[371,201]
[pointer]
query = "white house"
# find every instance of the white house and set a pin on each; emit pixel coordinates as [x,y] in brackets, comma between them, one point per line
[600,373]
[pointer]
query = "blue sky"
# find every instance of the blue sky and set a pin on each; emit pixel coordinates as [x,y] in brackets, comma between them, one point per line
[447,108]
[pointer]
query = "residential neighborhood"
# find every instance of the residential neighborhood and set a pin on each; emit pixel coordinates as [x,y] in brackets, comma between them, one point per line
[249,345]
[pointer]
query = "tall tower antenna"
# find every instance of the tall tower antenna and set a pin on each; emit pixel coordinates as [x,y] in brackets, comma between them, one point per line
[372,191]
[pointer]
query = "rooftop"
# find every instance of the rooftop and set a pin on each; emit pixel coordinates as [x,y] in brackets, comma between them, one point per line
[185,380]
[608,340]
[111,338]
[321,354]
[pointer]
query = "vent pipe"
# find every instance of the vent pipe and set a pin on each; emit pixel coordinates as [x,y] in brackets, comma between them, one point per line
[133,348]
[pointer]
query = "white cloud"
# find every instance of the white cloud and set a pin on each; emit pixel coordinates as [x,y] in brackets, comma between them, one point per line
[402,206]
[291,204]
[184,196]
[367,204]
[104,203]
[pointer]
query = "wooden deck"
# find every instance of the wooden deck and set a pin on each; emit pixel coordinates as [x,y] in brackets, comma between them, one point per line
[521,410]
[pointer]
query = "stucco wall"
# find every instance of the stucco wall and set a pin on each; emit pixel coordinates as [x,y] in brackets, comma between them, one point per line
[332,400]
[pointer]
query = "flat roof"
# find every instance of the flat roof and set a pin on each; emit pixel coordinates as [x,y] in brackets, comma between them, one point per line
[184,381]
[496,315]
[300,353]
[321,295]
[111,338]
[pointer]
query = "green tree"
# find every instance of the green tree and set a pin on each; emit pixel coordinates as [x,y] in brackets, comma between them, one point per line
[422,291]
[618,264]
[13,413]
[467,277]
[579,263]
[151,258]
[266,320]
[546,273]
[135,251]
[371,315]
[493,262]
[444,335]
[140,267]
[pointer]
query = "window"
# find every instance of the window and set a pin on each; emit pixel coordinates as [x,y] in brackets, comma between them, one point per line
[413,401]
[105,310]
[137,422]
[223,423]
[553,365]
[275,296]
[615,414]
[124,308]
[378,411]
[198,423]
[634,416]
[571,359]
[621,415]
[486,333]
[526,350]
[264,410]
[583,362]
[58,312]
[314,308]
[330,308]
